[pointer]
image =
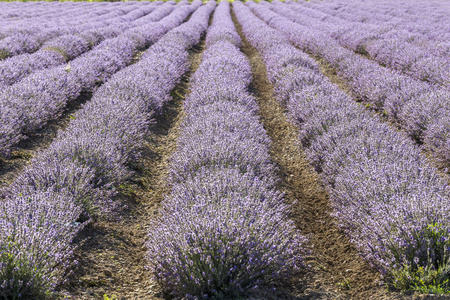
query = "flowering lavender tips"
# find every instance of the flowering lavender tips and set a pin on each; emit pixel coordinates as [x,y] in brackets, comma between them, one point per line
[80,170]
[52,89]
[223,231]
[388,91]
[386,196]
[35,236]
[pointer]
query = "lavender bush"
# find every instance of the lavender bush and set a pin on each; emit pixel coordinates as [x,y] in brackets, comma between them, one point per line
[60,49]
[224,236]
[51,90]
[409,52]
[58,22]
[386,196]
[35,244]
[392,94]
[223,232]
[75,178]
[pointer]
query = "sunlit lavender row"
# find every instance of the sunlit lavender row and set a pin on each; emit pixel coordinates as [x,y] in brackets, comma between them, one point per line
[64,48]
[28,36]
[421,109]
[426,18]
[30,104]
[223,231]
[379,140]
[388,198]
[75,178]
[412,53]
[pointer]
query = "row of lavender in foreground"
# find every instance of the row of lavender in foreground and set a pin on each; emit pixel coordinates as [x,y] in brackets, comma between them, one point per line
[76,176]
[387,197]
[70,22]
[386,45]
[223,231]
[60,50]
[420,109]
[42,96]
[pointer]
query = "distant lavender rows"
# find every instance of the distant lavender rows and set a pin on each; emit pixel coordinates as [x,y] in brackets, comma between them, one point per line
[409,52]
[421,109]
[14,13]
[413,16]
[386,196]
[28,105]
[29,36]
[223,231]
[64,48]
[77,175]
[15,16]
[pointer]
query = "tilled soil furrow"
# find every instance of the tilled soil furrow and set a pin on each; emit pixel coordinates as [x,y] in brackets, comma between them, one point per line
[336,271]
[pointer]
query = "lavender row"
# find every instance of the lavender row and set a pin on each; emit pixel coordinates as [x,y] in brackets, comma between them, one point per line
[385,194]
[390,47]
[32,39]
[76,176]
[421,25]
[414,16]
[419,31]
[61,49]
[13,18]
[223,231]
[64,18]
[420,109]
[42,96]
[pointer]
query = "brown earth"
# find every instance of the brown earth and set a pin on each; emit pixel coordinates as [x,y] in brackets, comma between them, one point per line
[112,252]
[336,271]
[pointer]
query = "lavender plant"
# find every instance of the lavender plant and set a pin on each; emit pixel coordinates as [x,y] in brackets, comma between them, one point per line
[223,232]
[392,94]
[35,243]
[75,178]
[386,196]
[41,97]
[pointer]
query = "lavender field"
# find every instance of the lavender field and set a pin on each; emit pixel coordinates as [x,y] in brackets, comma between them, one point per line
[225,150]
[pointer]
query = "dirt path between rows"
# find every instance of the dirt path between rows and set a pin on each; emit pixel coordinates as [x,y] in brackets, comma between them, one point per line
[112,253]
[336,270]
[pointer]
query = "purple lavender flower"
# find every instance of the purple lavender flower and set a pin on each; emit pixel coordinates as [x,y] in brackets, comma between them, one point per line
[385,194]
[223,232]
